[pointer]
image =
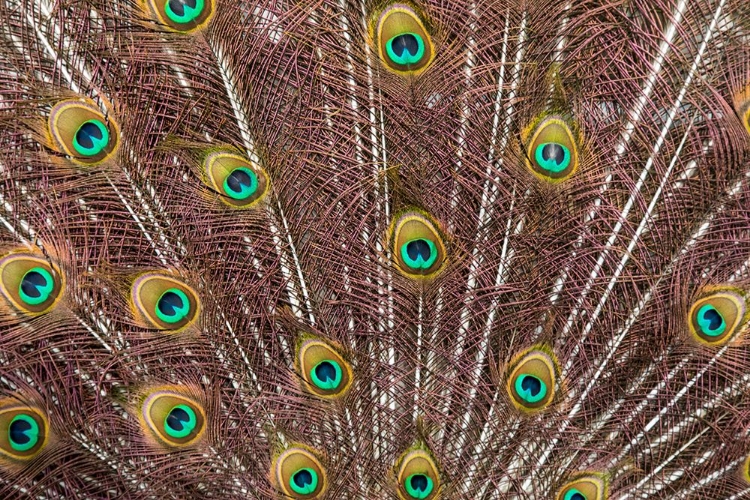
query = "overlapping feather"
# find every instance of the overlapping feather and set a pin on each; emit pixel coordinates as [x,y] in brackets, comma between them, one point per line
[601,269]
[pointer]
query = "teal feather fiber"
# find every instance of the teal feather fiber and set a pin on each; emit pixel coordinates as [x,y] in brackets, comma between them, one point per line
[375,250]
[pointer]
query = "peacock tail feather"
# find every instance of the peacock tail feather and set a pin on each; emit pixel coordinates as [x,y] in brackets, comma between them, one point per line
[369,249]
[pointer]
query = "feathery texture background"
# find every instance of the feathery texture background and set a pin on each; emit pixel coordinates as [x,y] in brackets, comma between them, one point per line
[599,272]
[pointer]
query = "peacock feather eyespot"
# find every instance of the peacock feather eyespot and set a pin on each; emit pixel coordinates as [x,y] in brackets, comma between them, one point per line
[184,11]
[163,302]
[297,473]
[172,417]
[716,317]
[91,138]
[419,485]
[418,475]
[532,379]
[552,151]
[24,431]
[30,283]
[78,129]
[403,43]
[417,246]
[574,494]
[742,106]
[584,486]
[325,372]
[304,481]
[239,182]
[181,15]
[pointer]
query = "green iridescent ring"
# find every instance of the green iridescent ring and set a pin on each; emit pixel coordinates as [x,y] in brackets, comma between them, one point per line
[32,433]
[298,483]
[705,324]
[406,58]
[245,190]
[188,426]
[526,394]
[574,494]
[189,13]
[180,311]
[44,290]
[328,384]
[419,262]
[550,164]
[416,492]
[85,135]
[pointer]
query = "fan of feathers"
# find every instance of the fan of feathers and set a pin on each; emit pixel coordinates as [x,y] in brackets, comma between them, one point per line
[374,249]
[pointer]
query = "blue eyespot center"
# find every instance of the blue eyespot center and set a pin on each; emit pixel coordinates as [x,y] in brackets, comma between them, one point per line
[552,156]
[178,6]
[241,183]
[173,306]
[177,418]
[304,481]
[574,494]
[405,49]
[419,485]
[532,385]
[23,433]
[169,303]
[530,388]
[405,43]
[710,321]
[91,138]
[184,11]
[327,375]
[36,286]
[419,253]
[180,421]
[18,432]
[303,478]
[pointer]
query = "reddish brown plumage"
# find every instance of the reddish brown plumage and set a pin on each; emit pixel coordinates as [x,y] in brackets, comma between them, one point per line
[601,269]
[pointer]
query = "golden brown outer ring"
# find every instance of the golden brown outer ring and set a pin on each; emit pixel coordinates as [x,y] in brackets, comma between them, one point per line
[146,291]
[65,119]
[552,130]
[292,460]
[7,414]
[12,269]
[158,405]
[412,226]
[394,21]
[730,305]
[592,487]
[418,462]
[158,9]
[220,164]
[313,352]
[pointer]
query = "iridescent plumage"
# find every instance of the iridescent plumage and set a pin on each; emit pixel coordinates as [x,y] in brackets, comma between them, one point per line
[370,249]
